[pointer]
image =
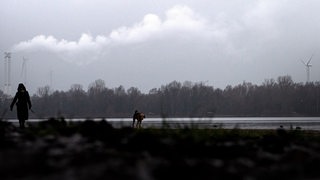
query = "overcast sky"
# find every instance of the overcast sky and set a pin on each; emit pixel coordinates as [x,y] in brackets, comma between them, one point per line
[149,43]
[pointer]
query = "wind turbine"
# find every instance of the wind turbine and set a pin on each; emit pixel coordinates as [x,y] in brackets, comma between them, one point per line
[308,66]
[24,70]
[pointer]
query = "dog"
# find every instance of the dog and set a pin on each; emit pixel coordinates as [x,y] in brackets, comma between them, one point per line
[139,117]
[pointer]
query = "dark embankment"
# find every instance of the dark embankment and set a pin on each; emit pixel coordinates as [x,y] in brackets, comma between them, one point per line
[55,149]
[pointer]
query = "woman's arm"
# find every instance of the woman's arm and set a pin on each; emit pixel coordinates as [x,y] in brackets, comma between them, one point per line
[13,101]
[28,100]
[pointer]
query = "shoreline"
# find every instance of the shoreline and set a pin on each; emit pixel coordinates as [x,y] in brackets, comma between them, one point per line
[305,123]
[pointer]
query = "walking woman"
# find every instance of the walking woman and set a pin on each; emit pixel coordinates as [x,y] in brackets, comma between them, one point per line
[23,104]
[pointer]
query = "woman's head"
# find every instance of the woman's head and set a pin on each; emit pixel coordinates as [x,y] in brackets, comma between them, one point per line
[21,87]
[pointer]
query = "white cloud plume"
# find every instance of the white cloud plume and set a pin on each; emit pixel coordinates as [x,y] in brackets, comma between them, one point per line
[42,42]
[179,19]
[231,33]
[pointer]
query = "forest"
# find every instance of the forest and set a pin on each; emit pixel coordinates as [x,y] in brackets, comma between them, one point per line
[280,97]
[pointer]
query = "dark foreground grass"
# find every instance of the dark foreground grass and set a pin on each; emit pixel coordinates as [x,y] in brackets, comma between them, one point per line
[56,149]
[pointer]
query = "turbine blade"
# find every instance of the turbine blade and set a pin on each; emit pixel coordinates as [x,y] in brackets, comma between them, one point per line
[310,60]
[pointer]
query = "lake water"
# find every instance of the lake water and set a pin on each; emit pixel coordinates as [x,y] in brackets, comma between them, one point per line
[306,123]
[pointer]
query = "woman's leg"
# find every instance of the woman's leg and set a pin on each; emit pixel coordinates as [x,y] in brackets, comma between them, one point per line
[22,113]
[21,122]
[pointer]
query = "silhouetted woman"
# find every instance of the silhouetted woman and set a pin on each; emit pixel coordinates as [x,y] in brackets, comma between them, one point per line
[23,104]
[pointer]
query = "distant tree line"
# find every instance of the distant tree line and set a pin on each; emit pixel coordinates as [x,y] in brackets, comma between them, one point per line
[280,97]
